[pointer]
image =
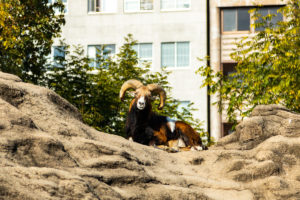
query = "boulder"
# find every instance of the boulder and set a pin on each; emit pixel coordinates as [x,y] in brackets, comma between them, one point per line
[47,152]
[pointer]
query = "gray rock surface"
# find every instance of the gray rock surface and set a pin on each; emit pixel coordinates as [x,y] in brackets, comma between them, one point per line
[46,152]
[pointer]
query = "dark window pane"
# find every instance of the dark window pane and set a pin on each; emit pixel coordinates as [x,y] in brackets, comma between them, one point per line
[227,129]
[146,5]
[97,6]
[243,19]
[58,55]
[263,12]
[229,68]
[108,50]
[278,16]
[91,6]
[229,20]
[59,52]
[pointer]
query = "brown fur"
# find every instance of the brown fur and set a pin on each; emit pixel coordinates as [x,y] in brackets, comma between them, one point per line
[190,136]
[161,136]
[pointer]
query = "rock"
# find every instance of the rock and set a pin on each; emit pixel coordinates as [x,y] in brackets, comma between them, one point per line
[46,152]
[265,121]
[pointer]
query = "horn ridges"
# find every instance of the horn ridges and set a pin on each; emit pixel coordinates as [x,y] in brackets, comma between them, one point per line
[134,84]
[156,89]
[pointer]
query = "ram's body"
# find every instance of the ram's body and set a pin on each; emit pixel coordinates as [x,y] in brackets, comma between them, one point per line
[146,127]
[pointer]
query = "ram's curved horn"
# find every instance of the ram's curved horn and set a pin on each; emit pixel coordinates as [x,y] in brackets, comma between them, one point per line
[156,89]
[134,84]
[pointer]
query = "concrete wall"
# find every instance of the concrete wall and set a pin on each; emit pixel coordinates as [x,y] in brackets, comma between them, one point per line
[148,27]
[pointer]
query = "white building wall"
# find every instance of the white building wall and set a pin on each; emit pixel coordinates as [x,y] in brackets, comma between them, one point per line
[149,27]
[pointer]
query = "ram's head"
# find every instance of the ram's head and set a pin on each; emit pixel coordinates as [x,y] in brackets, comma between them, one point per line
[143,94]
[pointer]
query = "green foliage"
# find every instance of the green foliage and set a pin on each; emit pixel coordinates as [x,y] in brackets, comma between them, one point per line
[268,67]
[7,24]
[96,91]
[27,28]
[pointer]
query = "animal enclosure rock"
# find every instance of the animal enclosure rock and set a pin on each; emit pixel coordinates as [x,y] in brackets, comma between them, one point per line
[46,152]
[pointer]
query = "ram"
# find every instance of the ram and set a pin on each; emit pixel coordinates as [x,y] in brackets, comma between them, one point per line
[146,127]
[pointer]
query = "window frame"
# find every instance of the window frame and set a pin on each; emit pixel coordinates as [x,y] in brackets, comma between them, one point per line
[226,126]
[269,7]
[53,60]
[139,10]
[101,7]
[64,3]
[236,20]
[226,65]
[102,47]
[175,67]
[147,60]
[251,29]
[175,9]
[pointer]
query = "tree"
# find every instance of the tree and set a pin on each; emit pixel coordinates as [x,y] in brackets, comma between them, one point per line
[268,67]
[95,91]
[27,29]
[7,25]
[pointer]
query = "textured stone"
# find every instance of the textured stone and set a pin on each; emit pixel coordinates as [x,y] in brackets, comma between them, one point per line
[46,152]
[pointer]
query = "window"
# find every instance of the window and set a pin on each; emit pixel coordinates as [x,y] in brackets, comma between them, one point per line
[144,51]
[175,4]
[183,105]
[100,52]
[229,68]
[138,5]
[58,55]
[63,1]
[227,129]
[108,6]
[175,54]
[236,19]
[267,11]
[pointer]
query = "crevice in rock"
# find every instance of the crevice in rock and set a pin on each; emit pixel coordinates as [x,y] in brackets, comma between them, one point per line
[13,96]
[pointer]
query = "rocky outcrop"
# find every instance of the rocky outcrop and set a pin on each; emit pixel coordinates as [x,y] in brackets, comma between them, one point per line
[46,152]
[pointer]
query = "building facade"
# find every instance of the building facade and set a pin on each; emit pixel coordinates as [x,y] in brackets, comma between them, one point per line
[231,21]
[170,33]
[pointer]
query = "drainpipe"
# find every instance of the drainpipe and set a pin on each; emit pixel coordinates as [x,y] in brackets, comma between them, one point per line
[208,64]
